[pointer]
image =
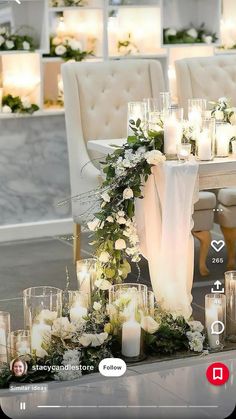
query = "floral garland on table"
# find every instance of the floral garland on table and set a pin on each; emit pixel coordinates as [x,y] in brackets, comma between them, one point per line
[67,3]
[10,42]
[114,228]
[15,104]
[189,35]
[67,48]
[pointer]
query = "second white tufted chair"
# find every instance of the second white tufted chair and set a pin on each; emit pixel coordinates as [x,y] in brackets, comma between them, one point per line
[96,98]
[211,78]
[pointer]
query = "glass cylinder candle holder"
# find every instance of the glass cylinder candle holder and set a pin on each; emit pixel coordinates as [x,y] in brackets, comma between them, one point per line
[137,110]
[173,131]
[230,290]
[205,142]
[127,305]
[183,152]
[20,343]
[224,133]
[165,103]
[196,110]
[4,336]
[215,320]
[151,303]
[42,305]
[78,305]
[86,275]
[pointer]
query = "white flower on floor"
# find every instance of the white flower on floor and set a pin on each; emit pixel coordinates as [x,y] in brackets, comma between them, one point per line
[104,257]
[26,45]
[170,32]
[192,32]
[60,50]
[196,340]
[105,196]
[6,109]
[93,225]
[149,324]
[128,193]
[195,326]
[9,44]
[120,244]
[97,306]
[103,284]
[154,157]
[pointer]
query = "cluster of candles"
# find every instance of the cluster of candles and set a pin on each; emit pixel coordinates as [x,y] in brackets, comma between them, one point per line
[129,304]
[212,136]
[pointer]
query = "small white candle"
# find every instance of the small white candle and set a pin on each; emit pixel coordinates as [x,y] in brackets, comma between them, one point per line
[172,135]
[213,314]
[223,135]
[204,145]
[3,344]
[131,338]
[38,333]
[77,312]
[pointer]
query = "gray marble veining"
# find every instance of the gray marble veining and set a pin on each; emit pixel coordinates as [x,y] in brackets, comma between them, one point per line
[34,169]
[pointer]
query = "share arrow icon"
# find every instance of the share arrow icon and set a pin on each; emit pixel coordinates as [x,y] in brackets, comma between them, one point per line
[218,289]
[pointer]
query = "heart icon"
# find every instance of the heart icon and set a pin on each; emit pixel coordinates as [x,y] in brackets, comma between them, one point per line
[217,245]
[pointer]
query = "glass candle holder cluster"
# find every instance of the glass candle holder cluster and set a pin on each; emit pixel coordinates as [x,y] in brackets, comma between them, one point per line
[215,320]
[4,336]
[230,289]
[127,304]
[86,275]
[42,305]
[20,343]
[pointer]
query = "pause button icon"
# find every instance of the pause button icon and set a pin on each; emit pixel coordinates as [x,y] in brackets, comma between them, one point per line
[22,405]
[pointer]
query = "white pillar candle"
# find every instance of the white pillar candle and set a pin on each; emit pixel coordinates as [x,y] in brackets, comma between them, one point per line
[38,333]
[224,133]
[213,314]
[131,338]
[77,312]
[172,135]
[3,344]
[204,145]
[84,280]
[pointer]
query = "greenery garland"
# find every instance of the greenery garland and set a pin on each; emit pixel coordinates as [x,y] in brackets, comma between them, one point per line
[189,35]
[15,104]
[67,48]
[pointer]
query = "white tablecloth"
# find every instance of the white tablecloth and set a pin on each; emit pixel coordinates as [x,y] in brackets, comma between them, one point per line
[164,222]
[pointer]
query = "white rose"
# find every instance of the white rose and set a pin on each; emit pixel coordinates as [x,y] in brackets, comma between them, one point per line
[3,31]
[2,40]
[6,109]
[74,44]
[219,115]
[85,339]
[128,193]
[196,326]
[154,157]
[93,225]
[120,244]
[46,316]
[26,46]
[25,102]
[170,32]
[106,197]
[192,32]
[149,324]
[98,339]
[56,40]
[9,44]
[104,257]
[110,219]
[97,306]
[121,213]
[60,50]
[207,39]
[103,284]
[121,220]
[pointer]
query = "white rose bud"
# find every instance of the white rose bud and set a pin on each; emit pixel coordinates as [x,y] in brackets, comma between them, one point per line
[110,219]
[192,32]
[128,193]
[104,257]
[60,50]
[120,244]
[106,197]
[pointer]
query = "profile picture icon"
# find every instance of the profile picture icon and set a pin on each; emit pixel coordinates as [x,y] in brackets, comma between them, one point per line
[18,367]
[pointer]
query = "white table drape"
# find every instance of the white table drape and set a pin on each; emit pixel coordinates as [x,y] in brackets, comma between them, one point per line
[164,223]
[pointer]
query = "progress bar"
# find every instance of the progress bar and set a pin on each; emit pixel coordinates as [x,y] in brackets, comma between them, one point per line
[127,407]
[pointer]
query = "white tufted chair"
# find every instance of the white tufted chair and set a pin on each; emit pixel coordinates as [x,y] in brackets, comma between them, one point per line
[211,78]
[96,97]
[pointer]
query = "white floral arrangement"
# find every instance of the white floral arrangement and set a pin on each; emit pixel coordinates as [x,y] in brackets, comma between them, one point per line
[189,35]
[67,48]
[17,42]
